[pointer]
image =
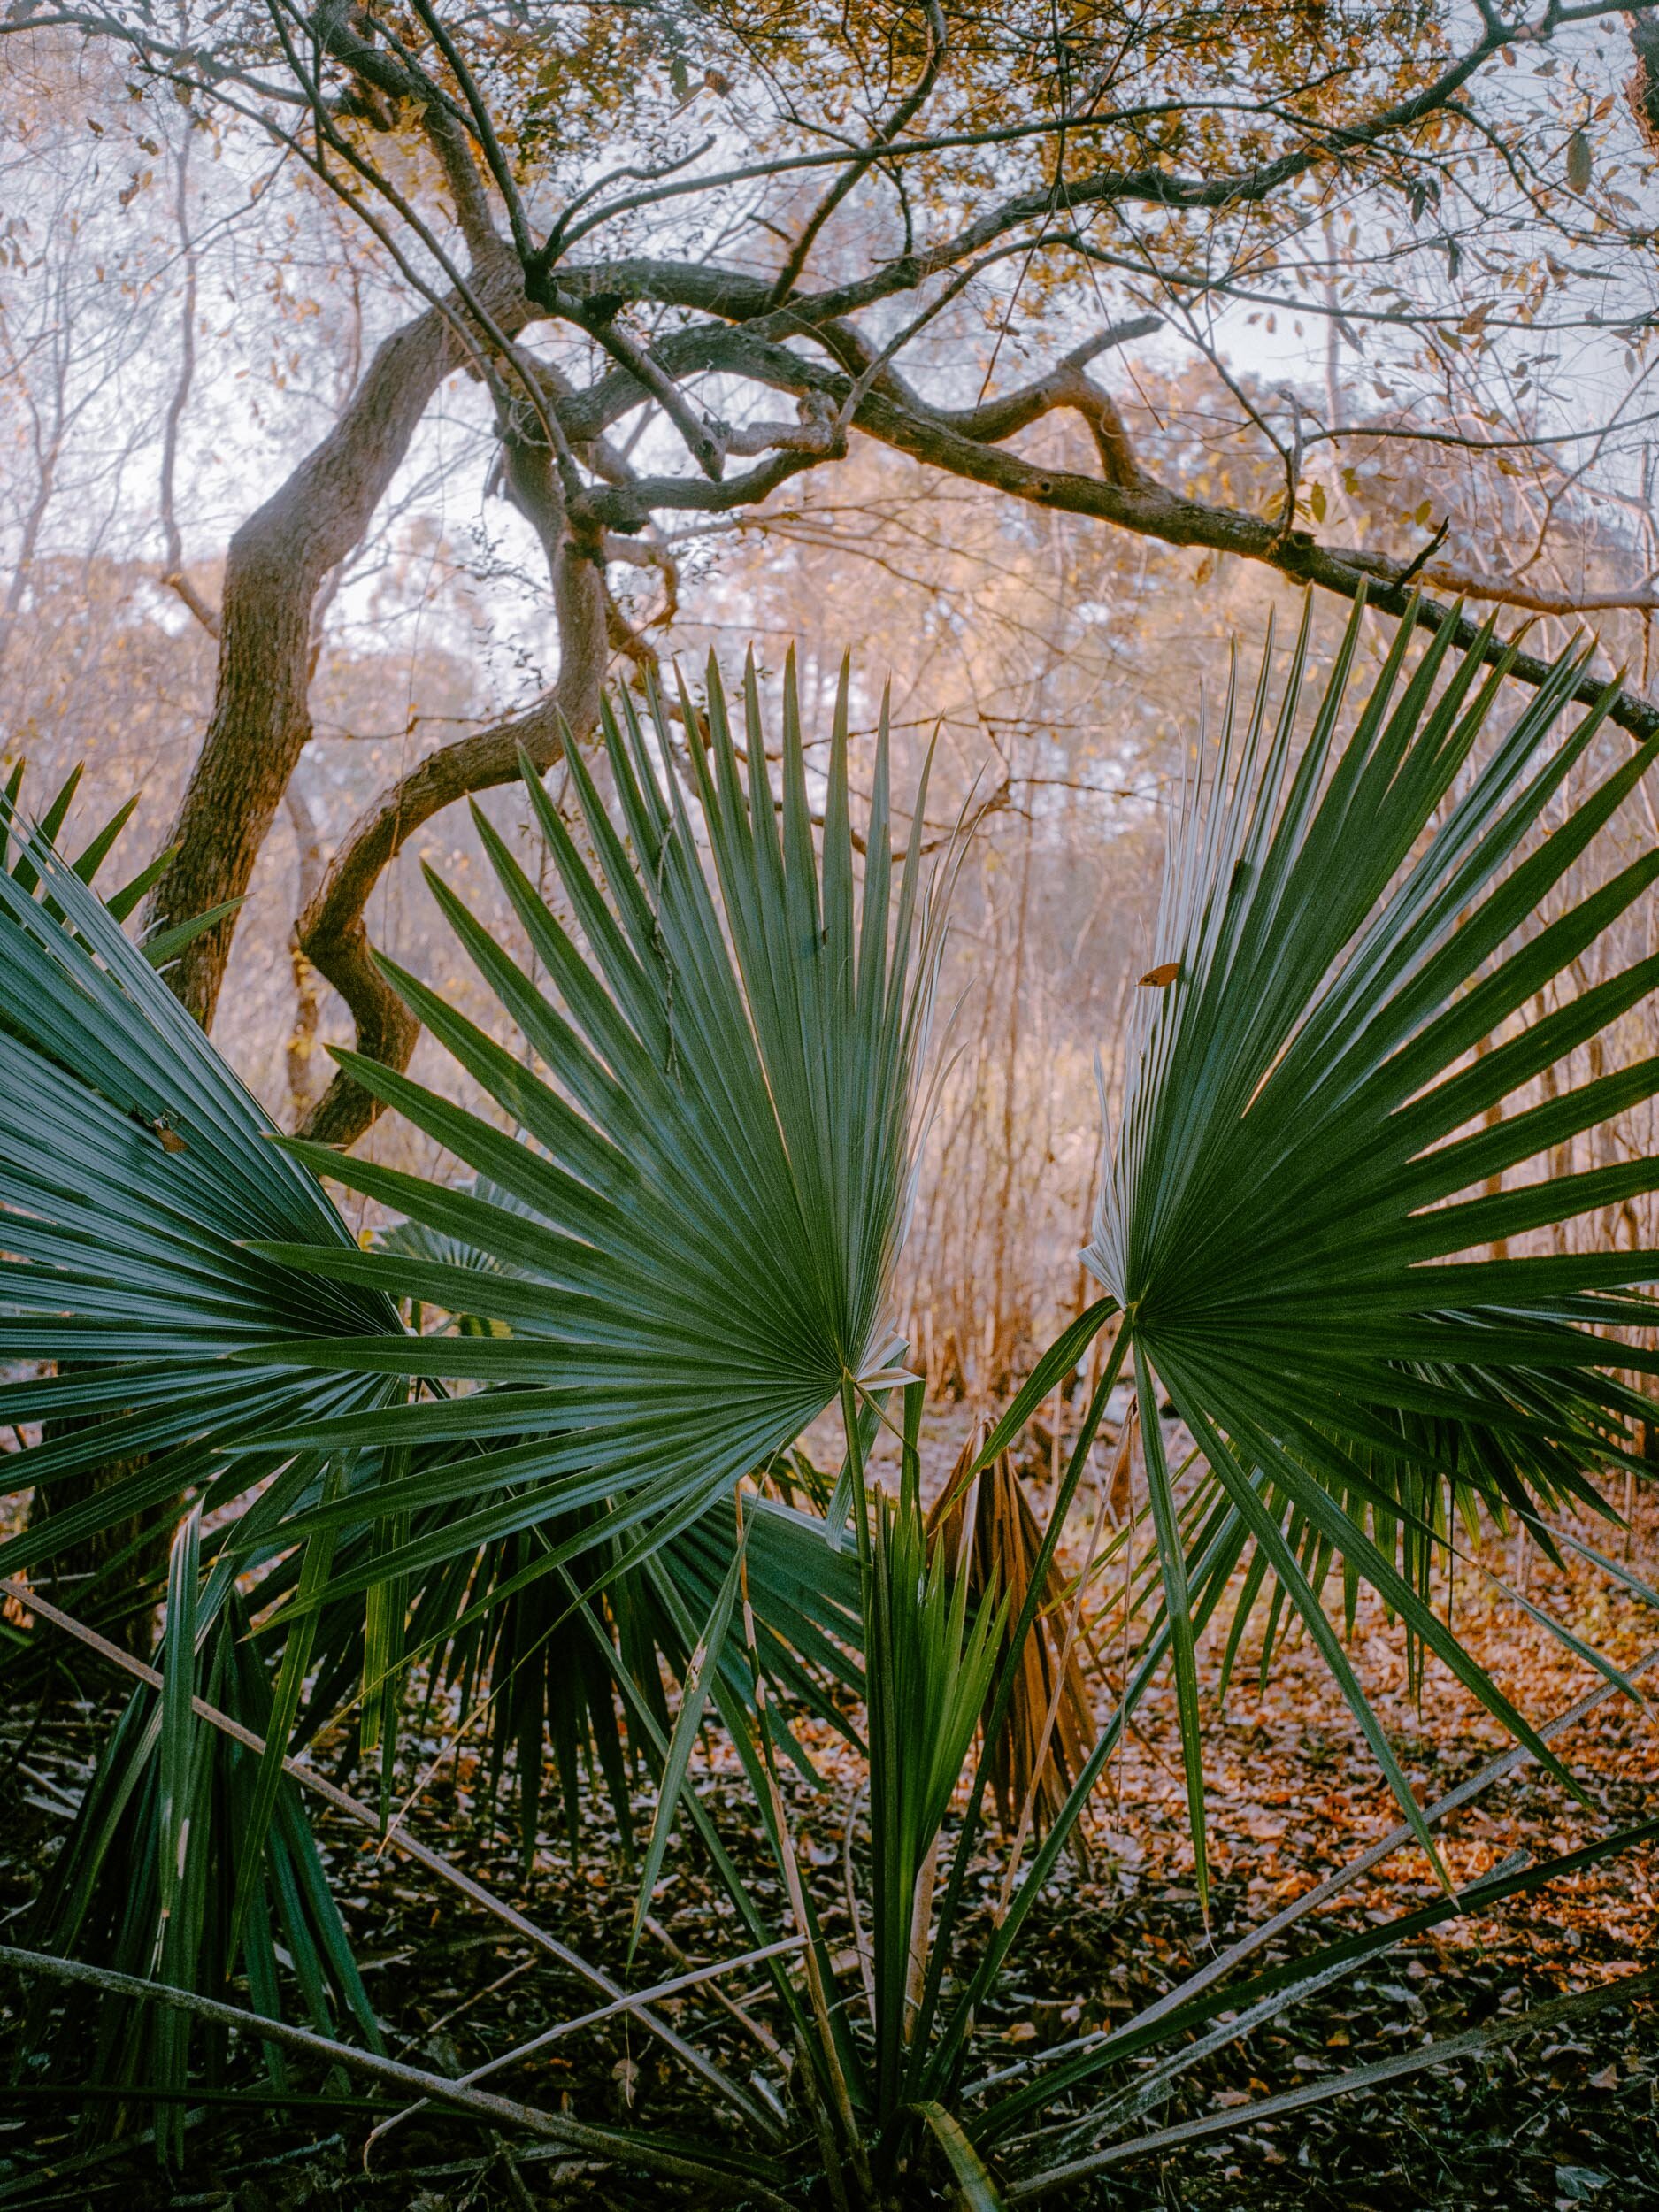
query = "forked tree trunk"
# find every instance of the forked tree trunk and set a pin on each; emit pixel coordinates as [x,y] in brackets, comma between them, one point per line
[276,565]
[260,723]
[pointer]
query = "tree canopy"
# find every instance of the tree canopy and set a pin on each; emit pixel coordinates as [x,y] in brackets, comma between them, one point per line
[686,260]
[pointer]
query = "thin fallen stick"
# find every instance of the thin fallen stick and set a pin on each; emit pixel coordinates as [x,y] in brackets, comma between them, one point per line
[555,2127]
[1507,1762]
[513,1973]
[1518,1877]
[421,1853]
[1334,1885]
[1470,2045]
[761,2034]
[589,2020]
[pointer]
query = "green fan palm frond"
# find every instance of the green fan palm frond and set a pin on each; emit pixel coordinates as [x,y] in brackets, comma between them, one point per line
[496,1627]
[1321,1095]
[931,1663]
[147,1877]
[687,1250]
[673,1251]
[161,946]
[135,1177]
[135,1173]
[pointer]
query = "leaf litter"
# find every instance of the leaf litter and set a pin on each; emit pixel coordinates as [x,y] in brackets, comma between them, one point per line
[1292,1796]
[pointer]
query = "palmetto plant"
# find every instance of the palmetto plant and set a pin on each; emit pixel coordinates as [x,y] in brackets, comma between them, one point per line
[540,1418]
[114,1561]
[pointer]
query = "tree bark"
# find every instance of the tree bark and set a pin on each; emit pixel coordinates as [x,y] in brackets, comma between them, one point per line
[277,561]
[331,931]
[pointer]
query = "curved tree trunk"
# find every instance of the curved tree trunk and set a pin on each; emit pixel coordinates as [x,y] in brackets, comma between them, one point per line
[261,721]
[276,563]
[332,932]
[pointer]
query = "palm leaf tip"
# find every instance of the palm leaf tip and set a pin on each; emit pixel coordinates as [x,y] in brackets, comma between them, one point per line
[1285,1209]
[691,1237]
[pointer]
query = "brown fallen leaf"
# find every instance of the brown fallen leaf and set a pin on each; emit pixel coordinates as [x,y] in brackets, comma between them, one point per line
[171,1140]
[1163,977]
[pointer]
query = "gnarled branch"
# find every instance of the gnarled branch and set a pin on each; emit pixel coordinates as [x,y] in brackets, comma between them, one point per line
[332,932]
[276,565]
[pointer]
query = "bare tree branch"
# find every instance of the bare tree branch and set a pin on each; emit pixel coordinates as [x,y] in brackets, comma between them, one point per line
[331,930]
[1208,232]
[178,400]
[912,105]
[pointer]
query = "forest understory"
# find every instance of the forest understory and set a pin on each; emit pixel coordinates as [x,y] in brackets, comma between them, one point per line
[773,778]
[1556,2119]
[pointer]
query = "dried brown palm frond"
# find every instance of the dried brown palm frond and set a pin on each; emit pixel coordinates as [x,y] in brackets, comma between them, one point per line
[990,1516]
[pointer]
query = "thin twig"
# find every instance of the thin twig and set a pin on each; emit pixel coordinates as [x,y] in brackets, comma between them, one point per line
[1471,2045]
[589,2020]
[421,1853]
[556,2127]
[1334,1885]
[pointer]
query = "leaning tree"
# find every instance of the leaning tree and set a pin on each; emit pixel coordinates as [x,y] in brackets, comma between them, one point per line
[689,255]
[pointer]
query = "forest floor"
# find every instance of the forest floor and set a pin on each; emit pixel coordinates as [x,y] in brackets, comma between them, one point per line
[1552,2120]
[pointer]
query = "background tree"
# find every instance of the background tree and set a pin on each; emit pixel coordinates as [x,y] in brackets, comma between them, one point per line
[685,262]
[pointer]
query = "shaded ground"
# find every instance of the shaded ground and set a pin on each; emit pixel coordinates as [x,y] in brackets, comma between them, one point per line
[1554,2121]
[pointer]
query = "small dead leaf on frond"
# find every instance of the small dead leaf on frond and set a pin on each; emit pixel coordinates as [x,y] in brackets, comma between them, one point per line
[1161,978]
[1003,1555]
